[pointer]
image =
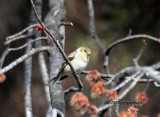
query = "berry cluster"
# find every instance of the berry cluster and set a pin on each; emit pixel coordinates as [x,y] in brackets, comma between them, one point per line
[141,97]
[93,77]
[39,27]
[81,103]
[2,78]
[131,112]
[98,87]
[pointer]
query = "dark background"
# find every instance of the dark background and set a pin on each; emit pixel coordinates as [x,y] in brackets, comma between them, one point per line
[113,20]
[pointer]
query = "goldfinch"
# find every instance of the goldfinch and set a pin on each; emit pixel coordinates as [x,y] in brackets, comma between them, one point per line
[79,60]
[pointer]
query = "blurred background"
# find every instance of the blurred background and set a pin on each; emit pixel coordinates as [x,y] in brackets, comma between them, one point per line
[114,19]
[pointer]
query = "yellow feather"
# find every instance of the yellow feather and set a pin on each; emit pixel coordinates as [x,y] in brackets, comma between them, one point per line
[84,55]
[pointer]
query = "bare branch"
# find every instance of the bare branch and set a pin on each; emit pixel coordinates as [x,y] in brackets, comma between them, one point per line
[27,82]
[144,80]
[124,93]
[41,58]
[59,47]
[111,77]
[23,36]
[21,32]
[131,86]
[28,74]
[149,71]
[153,74]
[128,38]
[5,53]
[156,66]
[92,26]
[130,32]
[135,60]
[110,80]
[26,44]
[127,79]
[71,89]
[67,23]
[44,73]
[24,57]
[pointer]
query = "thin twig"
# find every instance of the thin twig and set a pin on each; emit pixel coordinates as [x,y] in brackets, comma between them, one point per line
[127,79]
[111,77]
[116,76]
[23,36]
[130,32]
[92,26]
[128,38]
[24,57]
[66,23]
[145,80]
[26,44]
[5,53]
[136,59]
[110,80]
[124,93]
[47,32]
[71,89]
[21,32]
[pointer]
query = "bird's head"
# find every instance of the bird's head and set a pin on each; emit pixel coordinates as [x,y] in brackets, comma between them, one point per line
[85,52]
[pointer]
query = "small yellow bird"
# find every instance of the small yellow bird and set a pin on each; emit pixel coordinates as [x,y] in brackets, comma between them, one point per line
[79,60]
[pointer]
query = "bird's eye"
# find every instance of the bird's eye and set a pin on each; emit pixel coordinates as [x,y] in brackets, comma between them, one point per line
[85,51]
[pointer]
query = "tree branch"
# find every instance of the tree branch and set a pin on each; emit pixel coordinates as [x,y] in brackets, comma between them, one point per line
[27,82]
[128,38]
[21,32]
[24,57]
[71,89]
[136,59]
[127,79]
[26,44]
[92,26]
[41,58]
[124,93]
[23,36]
[59,48]
[5,53]
[28,74]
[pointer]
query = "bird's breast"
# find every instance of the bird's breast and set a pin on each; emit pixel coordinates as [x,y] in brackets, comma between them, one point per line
[78,66]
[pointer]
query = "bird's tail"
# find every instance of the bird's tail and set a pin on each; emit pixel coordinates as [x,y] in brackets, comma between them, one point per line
[52,81]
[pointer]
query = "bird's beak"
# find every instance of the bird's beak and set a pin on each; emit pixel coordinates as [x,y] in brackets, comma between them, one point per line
[88,54]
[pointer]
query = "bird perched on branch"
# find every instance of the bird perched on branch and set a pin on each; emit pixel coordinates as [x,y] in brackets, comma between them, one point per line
[79,60]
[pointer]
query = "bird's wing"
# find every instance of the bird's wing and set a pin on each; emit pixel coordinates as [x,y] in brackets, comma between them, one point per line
[70,57]
[54,79]
[72,54]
